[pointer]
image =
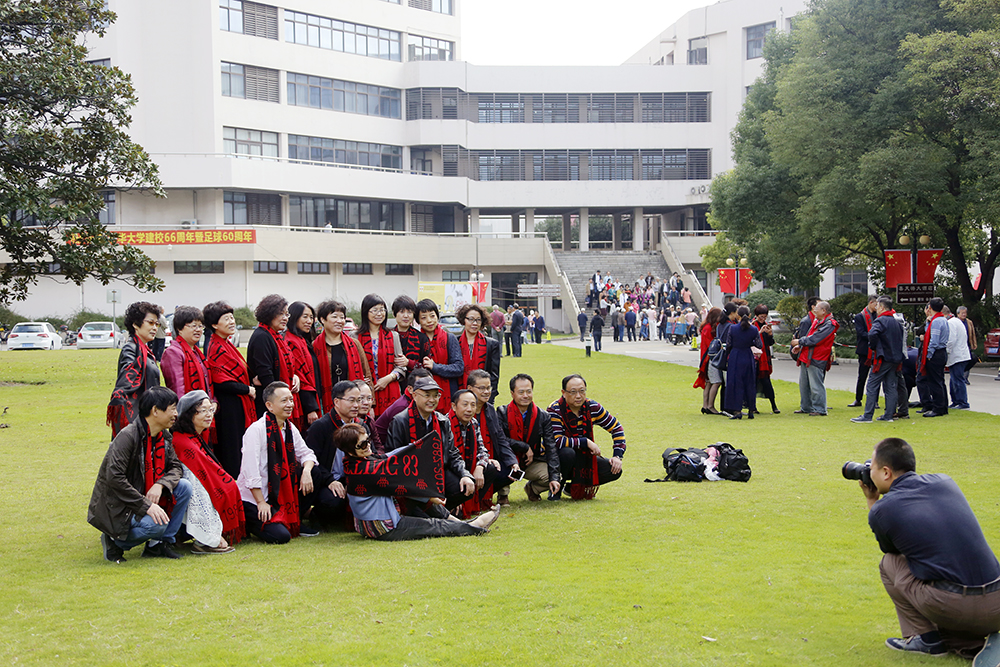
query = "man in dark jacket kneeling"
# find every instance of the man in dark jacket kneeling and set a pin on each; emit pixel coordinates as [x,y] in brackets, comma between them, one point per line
[128,504]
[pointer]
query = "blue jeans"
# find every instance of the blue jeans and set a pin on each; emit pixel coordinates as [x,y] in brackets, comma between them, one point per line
[145,529]
[597,340]
[956,383]
[812,391]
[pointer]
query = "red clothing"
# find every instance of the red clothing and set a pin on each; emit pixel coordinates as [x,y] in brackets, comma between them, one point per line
[707,336]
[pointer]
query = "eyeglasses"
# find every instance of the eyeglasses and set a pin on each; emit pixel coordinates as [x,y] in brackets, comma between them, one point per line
[366,399]
[207,411]
[362,445]
[576,392]
[473,320]
[151,322]
[196,325]
[352,401]
[377,310]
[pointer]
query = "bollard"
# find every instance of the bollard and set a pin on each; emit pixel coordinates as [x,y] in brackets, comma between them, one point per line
[589,339]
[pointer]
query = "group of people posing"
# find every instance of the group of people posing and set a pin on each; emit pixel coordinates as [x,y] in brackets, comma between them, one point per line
[235,446]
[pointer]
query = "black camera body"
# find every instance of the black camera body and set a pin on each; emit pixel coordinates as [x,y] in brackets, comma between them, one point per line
[859,471]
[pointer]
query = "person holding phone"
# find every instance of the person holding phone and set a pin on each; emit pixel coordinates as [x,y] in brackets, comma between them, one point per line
[529,432]
[501,455]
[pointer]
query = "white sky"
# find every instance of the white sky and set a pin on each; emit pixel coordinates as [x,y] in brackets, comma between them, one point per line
[563,32]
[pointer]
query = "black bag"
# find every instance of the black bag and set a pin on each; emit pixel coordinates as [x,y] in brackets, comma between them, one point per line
[684,465]
[733,463]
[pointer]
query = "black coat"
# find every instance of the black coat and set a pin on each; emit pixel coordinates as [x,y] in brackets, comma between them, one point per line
[541,441]
[886,338]
[861,335]
[263,364]
[399,436]
[493,364]
[502,451]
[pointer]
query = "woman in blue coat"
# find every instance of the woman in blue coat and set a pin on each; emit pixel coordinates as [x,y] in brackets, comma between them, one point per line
[741,377]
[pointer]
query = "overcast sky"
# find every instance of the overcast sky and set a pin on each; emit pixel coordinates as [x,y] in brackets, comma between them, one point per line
[564,32]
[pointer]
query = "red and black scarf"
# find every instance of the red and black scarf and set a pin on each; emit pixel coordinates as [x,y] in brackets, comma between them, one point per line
[922,359]
[585,475]
[156,463]
[414,345]
[475,359]
[439,354]
[355,369]
[468,446]
[124,405]
[282,475]
[302,361]
[764,364]
[194,367]
[484,431]
[518,428]
[193,452]
[286,368]
[381,367]
[226,364]
[874,361]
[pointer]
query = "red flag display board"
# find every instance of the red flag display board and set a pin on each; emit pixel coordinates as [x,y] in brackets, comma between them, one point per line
[730,279]
[927,262]
[414,470]
[479,290]
[898,268]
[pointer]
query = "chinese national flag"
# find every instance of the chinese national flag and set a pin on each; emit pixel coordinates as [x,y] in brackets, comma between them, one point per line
[479,290]
[897,268]
[927,261]
[727,281]
[746,275]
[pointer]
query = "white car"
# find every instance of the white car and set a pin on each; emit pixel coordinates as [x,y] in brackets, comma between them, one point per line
[99,334]
[34,336]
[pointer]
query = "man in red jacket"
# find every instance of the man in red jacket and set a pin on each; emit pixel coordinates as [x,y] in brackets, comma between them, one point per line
[815,354]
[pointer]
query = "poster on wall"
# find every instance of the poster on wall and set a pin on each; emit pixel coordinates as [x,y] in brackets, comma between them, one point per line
[448,296]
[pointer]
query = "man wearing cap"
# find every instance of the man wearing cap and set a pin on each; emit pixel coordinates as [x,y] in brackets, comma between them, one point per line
[414,423]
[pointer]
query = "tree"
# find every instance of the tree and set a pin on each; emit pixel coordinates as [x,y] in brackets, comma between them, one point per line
[874,118]
[63,141]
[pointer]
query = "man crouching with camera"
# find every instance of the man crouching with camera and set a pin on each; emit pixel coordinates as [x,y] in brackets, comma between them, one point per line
[938,569]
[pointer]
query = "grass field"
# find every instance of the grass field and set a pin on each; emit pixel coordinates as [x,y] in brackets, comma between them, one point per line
[779,571]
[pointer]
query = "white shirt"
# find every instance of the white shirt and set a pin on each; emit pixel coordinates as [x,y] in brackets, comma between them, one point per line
[253,469]
[958,342]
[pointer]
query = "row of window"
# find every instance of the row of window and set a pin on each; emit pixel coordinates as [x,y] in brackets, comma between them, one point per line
[756,35]
[456,104]
[348,96]
[315,268]
[340,213]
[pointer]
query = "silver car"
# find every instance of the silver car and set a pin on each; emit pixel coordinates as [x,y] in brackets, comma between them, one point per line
[99,334]
[34,336]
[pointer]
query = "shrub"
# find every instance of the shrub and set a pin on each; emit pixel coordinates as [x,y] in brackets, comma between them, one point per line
[9,318]
[792,309]
[81,317]
[845,307]
[245,317]
[768,297]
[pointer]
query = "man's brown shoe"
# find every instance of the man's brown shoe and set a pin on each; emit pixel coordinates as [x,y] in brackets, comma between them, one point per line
[532,496]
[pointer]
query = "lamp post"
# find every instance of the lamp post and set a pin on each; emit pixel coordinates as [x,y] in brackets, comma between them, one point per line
[731,262]
[905,241]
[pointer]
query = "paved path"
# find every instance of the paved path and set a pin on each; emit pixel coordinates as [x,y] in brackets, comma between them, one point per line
[984,392]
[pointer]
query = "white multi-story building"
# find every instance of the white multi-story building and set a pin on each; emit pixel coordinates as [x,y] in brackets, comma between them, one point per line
[358,118]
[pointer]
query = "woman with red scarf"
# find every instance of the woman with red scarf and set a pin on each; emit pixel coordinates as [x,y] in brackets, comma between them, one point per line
[231,384]
[445,358]
[268,355]
[478,350]
[299,338]
[215,512]
[765,359]
[183,363]
[340,357]
[709,378]
[383,352]
[137,369]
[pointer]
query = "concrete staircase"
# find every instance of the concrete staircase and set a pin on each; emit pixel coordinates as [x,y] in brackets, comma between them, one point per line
[622,265]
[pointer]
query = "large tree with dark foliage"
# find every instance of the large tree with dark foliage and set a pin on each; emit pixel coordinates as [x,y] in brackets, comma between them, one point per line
[62,142]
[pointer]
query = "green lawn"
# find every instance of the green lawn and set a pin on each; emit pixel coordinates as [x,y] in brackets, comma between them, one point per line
[779,571]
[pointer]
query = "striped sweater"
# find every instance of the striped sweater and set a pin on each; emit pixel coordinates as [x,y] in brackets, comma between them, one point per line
[571,432]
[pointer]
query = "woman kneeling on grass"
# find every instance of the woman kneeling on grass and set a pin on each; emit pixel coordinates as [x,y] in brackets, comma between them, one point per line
[215,514]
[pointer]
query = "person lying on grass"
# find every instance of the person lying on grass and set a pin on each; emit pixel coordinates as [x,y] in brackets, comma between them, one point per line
[377,516]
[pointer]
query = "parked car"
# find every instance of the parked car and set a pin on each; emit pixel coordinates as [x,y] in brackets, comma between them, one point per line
[34,336]
[993,343]
[451,324]
[777,324]
[350,327]
[99,334]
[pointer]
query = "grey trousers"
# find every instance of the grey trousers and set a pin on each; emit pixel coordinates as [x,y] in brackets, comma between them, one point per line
[885,377]
[416,528]
[963,620]
[812,390]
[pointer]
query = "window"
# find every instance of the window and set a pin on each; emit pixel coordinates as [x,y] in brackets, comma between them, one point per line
[455,276]
[439,6]
[249,82]
[107,214]
[199,267]
[358,269]
[849,279]
[314,267]
[555,108]
[756,36]
[556,304]
[250,208]
[345,214]
[428,48]
[249,18]
[103,62]
[51,268]
[500,108]
[318,149]
[683,164]
[609,166]
[556,166]
[698,51]
[611,108]
[675,107]
[505,289]
[320,93]
[702,277]
[342,36]
[270,267]
[240,141]
[231,15]
[399,269]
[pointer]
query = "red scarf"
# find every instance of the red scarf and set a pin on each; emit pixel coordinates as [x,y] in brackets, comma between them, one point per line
[124,405]
[196,375]
[286,368]
[355,371]
[517,427]
[706,340]
[873,361]
[381,367]
[477,359]
[414,347]
[922,361]
[764,364]
[586,463]
[226,364]
[156,463]
[439,355]
[192,451]
[282,475]
[413,415]
[468,447]
[302,361]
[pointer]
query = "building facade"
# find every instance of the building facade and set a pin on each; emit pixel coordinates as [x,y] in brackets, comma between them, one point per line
[367,156]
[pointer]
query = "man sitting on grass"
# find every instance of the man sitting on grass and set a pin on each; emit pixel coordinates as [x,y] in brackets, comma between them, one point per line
[529,431]
[938,568]
[573,418]
[128,504]
[378,517]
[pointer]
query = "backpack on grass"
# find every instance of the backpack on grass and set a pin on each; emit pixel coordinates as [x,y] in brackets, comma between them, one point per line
[733,463]
[684,465]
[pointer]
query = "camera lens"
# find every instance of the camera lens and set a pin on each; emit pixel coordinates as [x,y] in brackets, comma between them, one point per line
[852,470]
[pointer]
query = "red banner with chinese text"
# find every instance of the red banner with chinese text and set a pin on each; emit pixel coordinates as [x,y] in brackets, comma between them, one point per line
[187,236]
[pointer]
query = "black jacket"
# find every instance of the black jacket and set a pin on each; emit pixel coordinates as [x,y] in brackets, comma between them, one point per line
[861,335]
[119,490]
[502,452]
[493,365]
[540,440]
[516,322]
[399,436]
[886,338]
[262,364]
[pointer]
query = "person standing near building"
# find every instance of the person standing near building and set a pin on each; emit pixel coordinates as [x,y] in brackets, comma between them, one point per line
[958,359]
[630,323]
[231,383]
[814,356]
[539,327]
[445,358]
[340,356]
[516,329]
[268,357]
[508,319]
[581,323]
[862,324]
[299,337]
[497,324]
[478,351]
[596,329]
[932,360]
